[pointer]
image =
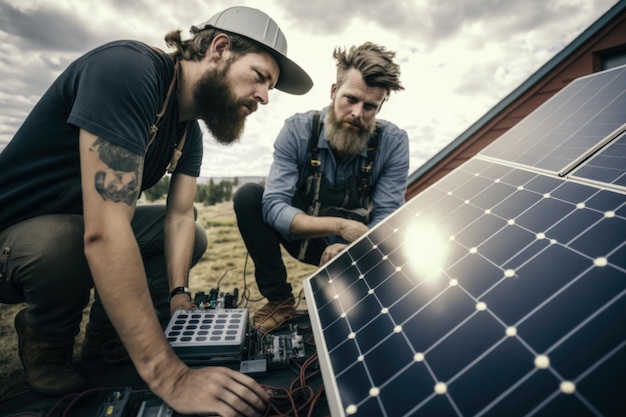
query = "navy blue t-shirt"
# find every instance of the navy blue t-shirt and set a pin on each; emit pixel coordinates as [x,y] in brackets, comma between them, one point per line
[115,92]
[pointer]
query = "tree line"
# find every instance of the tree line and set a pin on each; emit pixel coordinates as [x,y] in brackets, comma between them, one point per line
[208,194]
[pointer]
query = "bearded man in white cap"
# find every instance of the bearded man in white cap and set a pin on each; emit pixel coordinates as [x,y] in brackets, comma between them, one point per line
[108,128]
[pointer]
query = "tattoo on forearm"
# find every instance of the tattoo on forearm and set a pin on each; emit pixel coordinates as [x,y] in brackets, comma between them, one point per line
[120,181]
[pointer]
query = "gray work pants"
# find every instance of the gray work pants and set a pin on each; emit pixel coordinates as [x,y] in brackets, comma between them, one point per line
[42,263]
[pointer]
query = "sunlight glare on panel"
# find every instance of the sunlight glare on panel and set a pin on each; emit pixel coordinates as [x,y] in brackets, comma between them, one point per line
[425,247]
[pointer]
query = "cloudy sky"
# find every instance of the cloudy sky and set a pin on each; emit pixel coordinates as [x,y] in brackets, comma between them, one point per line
[459,58]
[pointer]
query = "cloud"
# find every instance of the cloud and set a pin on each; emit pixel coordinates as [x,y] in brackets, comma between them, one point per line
[45,28]
[458,59]
[431,23]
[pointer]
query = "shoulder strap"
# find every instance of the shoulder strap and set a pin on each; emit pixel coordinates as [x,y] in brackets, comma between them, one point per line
[178,151]
[367,168]
[315,134]
[154,128]
[314,181]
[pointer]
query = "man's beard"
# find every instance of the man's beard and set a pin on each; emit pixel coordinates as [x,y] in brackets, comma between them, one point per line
[223,114]
[347,140]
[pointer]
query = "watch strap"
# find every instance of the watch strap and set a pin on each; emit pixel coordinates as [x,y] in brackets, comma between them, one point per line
[180,290]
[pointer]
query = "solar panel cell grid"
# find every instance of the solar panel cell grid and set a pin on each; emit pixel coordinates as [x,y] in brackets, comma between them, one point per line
[476,298]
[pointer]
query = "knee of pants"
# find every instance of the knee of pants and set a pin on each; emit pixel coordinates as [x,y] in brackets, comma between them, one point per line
[52,262]
[248,197]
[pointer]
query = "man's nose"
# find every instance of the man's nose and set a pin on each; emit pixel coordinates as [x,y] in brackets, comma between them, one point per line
[357,111]
[262,95]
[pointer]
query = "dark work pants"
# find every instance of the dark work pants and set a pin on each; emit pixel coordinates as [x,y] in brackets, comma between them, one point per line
[263,242]
[42,263]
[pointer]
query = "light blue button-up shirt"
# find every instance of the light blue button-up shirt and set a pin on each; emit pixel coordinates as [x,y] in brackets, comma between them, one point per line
[290,168]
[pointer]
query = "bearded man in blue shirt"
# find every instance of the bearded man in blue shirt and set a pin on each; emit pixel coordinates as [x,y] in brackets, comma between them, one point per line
[336,173]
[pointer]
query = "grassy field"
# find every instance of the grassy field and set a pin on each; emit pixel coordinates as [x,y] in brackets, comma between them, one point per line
[225,261]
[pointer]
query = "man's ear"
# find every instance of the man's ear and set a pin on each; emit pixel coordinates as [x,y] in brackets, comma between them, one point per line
[333,91]
[381,103]
[219,45]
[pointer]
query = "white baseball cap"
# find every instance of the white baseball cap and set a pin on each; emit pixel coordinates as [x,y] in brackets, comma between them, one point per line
[259,27]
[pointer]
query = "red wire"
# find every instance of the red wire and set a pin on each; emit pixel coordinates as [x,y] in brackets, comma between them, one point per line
[74,397]
[284,405]
[314,400]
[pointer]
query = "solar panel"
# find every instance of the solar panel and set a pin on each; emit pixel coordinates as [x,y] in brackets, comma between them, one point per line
[498,291]
[568,126]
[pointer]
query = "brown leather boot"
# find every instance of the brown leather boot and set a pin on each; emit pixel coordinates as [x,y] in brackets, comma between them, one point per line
[48,365]
[274,315]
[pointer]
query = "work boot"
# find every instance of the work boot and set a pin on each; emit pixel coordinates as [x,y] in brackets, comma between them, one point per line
[274,315]
[103,343]
[48,365]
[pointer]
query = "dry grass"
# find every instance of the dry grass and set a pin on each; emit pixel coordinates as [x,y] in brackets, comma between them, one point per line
[225,262]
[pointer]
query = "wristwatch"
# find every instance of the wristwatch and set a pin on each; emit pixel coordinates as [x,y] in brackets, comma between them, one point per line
[180,290]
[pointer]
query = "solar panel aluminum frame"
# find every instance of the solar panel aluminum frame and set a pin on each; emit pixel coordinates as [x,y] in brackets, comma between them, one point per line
[328,375]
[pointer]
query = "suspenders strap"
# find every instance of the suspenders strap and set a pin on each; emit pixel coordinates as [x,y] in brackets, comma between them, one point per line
[178,151]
